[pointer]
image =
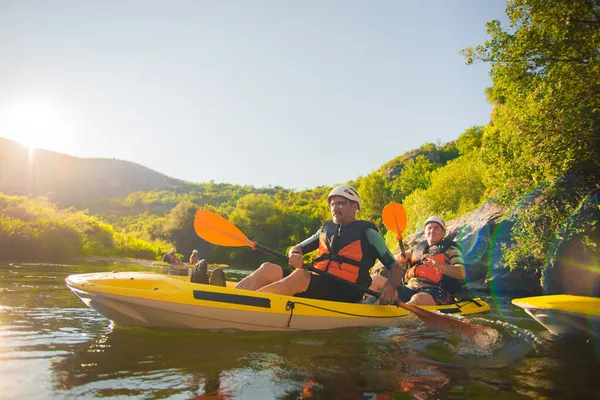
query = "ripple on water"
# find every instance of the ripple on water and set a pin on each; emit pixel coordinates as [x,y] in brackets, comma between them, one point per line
[513,343]
[157,386]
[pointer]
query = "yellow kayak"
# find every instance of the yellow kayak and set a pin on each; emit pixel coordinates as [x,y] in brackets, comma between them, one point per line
[165,301]
[564,314]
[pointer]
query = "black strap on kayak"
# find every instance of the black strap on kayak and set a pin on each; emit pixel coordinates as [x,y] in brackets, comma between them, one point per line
[466,297]
[289,306]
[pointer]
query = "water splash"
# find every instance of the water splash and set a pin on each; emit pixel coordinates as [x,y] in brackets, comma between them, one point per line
[511,344]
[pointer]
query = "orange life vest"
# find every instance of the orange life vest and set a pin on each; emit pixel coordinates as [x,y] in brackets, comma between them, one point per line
[424,271]
[340,250]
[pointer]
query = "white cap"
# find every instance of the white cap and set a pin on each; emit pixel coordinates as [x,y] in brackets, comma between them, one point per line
[173,250]
[345,191]
[436,219]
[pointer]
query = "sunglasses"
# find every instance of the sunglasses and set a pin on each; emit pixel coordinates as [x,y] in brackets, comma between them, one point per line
[337,204]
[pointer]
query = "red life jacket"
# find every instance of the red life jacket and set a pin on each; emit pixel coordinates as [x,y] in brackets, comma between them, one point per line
[341,250]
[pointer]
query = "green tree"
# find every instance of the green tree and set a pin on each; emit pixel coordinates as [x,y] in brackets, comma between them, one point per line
[259,217]
[416,174]
[470,140]
[179,228]
[544,135]
[455,189]
[546,73]
[374,195]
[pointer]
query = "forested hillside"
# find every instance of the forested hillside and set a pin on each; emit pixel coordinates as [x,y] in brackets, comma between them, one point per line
[274,216]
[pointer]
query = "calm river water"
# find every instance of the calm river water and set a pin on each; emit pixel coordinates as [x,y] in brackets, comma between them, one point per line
[53,346]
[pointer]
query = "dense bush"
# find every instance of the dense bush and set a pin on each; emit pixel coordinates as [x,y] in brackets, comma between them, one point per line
[455,189]
[34,229]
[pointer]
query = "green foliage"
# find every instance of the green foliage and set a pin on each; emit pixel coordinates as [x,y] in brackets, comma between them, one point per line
[416,174]
[374,195]
[181,216]
[544,216]
[470,140]
[438,155]
[267,222]
[258,216]
[455,189]
[546,75]
[38,230]
[545,125]
[448,152]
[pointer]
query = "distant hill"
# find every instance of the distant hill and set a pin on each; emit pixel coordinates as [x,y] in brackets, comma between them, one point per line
[115,187]
[72,181]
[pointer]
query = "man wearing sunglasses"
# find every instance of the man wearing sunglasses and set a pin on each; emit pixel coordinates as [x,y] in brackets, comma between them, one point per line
[347,249]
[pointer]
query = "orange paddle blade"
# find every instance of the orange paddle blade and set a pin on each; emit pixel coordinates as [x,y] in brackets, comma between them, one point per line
[394,218]
[217,230]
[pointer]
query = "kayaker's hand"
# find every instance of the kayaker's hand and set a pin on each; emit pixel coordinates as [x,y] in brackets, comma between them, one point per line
[401,259]
[388,294]
[296,259]
[428,260]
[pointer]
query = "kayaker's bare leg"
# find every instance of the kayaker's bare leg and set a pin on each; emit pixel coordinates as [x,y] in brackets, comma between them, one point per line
[296,282]
[378,282]
[419,299]
[422,299]
[263,276]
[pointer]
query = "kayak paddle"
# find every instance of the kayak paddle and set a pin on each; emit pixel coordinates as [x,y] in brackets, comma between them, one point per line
[394,219]
[217,230]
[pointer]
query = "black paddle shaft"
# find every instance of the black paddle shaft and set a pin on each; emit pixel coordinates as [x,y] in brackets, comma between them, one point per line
[316,270]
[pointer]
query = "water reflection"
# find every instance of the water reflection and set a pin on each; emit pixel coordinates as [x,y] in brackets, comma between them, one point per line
[382,363]
[226,364]
[51,345]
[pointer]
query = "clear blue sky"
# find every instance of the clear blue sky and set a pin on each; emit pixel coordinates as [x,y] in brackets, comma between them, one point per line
[296,94]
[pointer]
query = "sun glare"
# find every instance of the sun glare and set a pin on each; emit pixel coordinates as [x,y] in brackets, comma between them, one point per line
[38,122]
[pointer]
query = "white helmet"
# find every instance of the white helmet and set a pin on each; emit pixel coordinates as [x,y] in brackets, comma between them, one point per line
[436,219]
[345,191]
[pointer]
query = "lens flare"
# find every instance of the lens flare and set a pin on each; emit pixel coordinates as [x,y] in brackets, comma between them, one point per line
[499,238]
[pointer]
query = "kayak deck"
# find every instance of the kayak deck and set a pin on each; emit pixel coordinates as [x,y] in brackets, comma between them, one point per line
[564,314]
[155,300]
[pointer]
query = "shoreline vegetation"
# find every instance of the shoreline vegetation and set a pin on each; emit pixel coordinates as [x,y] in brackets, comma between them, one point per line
[120,260]
[36,229]
[137,261]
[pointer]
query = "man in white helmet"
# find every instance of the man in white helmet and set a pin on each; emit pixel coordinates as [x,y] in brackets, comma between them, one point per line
[347,249]
[435,268]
